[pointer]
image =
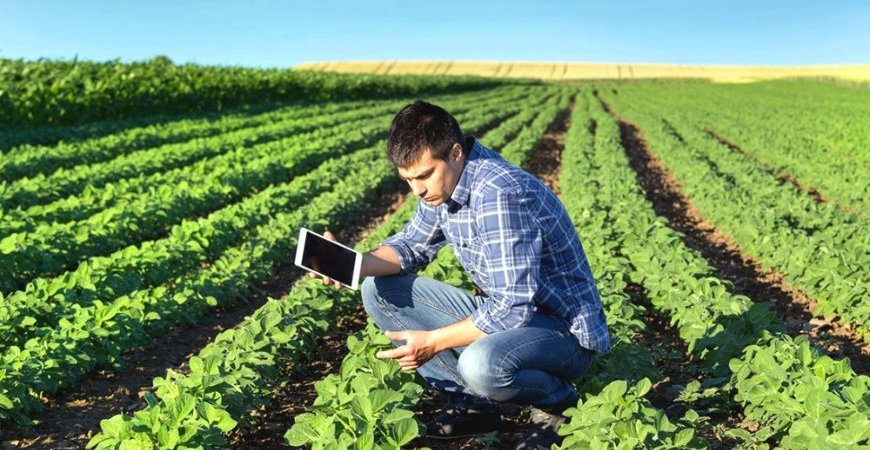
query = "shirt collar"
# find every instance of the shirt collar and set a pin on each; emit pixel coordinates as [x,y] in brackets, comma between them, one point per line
[462,191]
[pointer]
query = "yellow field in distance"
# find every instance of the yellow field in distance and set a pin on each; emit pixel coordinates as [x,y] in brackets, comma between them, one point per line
[592,71]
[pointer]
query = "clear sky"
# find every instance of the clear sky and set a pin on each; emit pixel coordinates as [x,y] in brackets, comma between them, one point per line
[285,33]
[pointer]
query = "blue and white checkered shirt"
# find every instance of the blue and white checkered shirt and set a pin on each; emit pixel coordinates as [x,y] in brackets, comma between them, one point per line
[516,241]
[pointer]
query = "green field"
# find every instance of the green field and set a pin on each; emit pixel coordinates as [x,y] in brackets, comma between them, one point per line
[726,225]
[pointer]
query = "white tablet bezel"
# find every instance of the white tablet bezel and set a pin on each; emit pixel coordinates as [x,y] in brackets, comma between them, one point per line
[300,245]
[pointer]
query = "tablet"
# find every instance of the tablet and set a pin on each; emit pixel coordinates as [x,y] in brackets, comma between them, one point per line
[330,259]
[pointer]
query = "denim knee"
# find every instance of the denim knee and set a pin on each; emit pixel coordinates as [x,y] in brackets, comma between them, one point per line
[370,298]
[483,373]
[378,307]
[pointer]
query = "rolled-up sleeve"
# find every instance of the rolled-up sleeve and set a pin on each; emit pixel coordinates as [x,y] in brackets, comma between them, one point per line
[419,241]
[512,244]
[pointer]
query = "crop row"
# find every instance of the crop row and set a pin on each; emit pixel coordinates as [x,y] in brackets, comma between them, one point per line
[615,412]
[359,401]
[520,149]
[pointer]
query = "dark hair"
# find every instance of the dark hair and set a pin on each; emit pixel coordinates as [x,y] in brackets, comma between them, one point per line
[418,126]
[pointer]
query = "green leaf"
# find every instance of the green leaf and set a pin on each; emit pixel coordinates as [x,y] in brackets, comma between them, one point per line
[366,441]
[643,386]
[115,426]
[405,431]
[151,399]
[684,437]
[196,365]
[5,402]
[397,415]
[363,407]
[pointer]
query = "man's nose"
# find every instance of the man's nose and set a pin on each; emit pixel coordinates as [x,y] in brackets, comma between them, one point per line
[418,188]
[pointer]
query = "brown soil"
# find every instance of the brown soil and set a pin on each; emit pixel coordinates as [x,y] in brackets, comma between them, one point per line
[270,423]
[729,262]
[668,349]
[547,158]
[71,418]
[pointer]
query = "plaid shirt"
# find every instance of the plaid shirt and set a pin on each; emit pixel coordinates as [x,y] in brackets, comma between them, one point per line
[516,241]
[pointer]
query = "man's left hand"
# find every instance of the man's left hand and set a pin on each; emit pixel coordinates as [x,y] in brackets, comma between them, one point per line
[417,349]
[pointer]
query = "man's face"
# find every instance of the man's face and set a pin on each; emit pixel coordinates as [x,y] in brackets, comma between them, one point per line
[433,179]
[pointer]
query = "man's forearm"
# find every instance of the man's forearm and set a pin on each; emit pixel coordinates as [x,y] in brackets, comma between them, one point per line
[456,335]
[379,262]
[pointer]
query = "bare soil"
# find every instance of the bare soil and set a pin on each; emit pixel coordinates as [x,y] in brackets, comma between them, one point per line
[547,159]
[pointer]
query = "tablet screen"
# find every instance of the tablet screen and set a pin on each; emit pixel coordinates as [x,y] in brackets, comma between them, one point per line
[329,258]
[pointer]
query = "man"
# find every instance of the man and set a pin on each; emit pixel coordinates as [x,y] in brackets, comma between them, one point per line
[541,321]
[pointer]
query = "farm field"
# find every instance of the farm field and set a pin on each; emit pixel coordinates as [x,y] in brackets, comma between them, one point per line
[592,71]
[148,298]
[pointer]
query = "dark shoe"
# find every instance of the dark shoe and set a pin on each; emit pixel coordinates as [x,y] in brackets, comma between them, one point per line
[540,430]
[458,423]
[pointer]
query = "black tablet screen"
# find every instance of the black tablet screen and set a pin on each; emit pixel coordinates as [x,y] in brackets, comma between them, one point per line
[328,258]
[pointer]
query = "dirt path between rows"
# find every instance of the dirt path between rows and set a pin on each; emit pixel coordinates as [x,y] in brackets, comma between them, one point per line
[793,307]
[72,417]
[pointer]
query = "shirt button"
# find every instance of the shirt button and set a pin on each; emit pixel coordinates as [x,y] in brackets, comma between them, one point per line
[464,244]
[473,272]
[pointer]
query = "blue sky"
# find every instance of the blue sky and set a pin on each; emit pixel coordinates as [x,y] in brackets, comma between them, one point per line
[281,34]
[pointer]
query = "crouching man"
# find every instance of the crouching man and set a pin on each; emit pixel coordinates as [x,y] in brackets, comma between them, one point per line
[540,322]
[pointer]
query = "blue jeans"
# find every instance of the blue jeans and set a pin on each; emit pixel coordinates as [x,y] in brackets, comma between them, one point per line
[532,365]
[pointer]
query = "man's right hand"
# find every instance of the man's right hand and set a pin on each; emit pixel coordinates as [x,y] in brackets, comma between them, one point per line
[326,280]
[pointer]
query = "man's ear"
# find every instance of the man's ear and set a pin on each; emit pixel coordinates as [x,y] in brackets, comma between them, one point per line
[456,152]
